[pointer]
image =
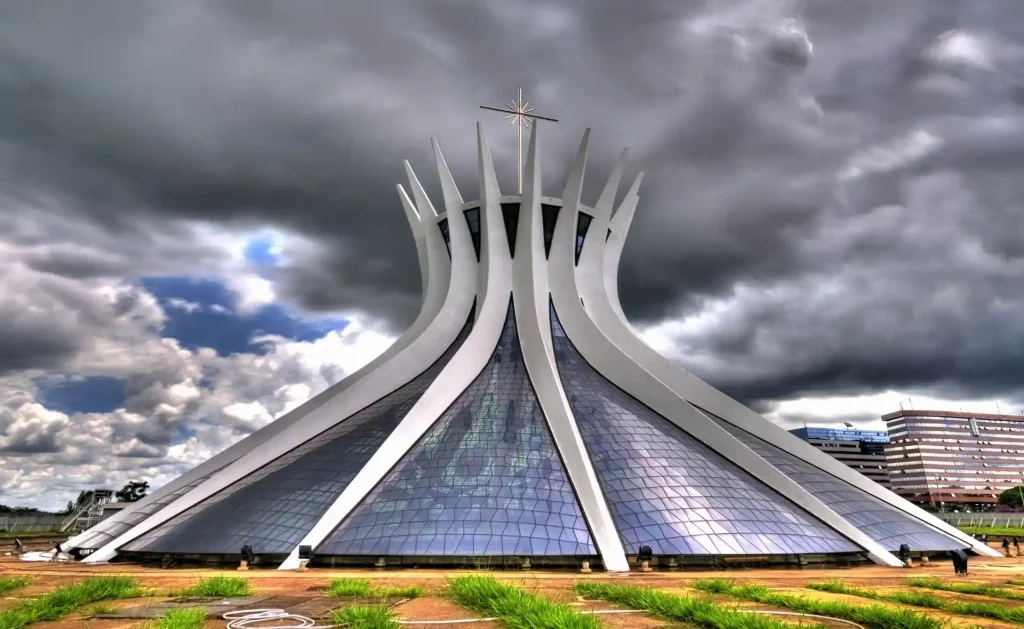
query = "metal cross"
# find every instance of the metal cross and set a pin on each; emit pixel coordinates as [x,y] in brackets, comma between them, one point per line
[519,115]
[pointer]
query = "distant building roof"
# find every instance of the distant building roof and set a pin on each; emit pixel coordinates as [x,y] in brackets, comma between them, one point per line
[841,434]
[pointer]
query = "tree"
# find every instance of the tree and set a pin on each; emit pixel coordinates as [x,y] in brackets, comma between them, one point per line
[133,491]
[1013,497]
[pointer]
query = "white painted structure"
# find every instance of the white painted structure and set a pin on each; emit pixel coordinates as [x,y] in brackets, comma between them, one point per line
[728,482]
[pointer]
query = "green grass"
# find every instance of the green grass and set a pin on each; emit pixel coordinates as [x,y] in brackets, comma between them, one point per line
[868,615]
[183,619]
[69,598]
[9,584]
[981,589]
[365,617]
[361,588]
[217,587]
[700,613]
[99,610]
[931,601]
[516,608]
[1015,582]
[1008,531]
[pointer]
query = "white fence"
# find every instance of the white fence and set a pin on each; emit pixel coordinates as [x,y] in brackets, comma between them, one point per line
[28,523]
[983,519]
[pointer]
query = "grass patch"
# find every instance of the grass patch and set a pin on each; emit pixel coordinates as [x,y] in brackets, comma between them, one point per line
[514,606]
[870,615]
[99,610]
[361,588]
[981,589]
[926,599]
[679,608]
[365,617]
[1008,531]
[217,587]
[183,619]
[69,598]
[1015,582]
[9,584]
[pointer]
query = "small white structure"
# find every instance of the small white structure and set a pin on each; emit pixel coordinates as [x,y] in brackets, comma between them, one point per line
[520,416]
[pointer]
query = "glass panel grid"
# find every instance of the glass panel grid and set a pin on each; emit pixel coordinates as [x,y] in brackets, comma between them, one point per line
[105,532]
[274,507]
[485,480]
[668,491]
[874,518]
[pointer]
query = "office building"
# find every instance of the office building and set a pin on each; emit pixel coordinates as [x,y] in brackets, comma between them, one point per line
[944,458]
[862,450]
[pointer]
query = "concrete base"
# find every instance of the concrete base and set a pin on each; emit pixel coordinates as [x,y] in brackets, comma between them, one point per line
[243,565]
[585,567]
[645,566]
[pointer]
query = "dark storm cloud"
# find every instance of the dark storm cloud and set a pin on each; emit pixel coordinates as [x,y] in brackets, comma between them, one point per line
[785,144]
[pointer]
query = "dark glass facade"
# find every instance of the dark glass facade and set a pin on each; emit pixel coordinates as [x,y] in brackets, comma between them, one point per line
[582,225]
[882,523]
[669,491]
[549,216]
[275,506]
[473,220]
[510,214]
[485,480]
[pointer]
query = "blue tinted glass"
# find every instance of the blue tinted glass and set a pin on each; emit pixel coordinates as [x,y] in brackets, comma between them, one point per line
[882,523]
[485,480]
[668,491]
[104,532]
[274,507]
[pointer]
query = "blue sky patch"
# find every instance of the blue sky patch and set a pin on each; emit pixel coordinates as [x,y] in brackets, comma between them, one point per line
[95,394]
[200,313]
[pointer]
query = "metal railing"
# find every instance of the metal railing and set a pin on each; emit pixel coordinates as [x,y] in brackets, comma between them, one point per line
[983,519]
[30,523]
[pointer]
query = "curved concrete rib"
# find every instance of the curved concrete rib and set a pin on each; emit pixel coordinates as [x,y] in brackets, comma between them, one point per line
[597,282]
[495,290]
[620,370]
[449,298]
[530,294]
[432,299]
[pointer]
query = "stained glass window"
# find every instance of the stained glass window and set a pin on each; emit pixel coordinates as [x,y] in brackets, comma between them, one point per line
[667,490]
[485,480]
[275,506]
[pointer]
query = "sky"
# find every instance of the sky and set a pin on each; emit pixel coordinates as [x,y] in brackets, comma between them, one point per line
[199,228]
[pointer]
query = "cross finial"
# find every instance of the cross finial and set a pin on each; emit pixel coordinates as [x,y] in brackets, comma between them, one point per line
[520,114]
